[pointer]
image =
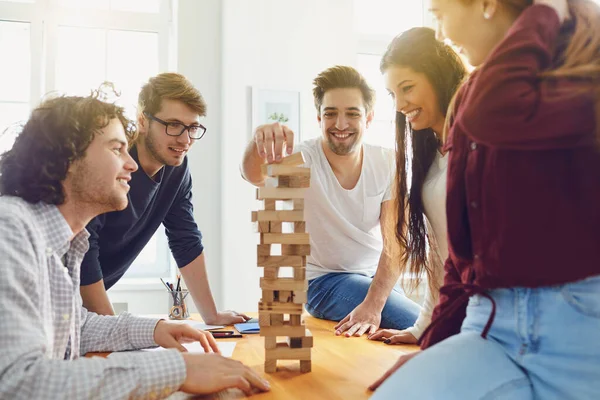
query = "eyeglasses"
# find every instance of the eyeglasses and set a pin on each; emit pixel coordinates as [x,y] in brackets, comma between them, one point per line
[177,128]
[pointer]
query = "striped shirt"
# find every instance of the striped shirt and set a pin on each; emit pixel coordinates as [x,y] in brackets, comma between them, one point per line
[45,329]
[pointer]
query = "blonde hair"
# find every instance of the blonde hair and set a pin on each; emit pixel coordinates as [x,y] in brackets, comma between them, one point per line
[172,86]
[581,59]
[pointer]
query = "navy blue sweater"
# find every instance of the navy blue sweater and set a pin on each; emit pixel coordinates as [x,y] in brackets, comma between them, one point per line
[117,238]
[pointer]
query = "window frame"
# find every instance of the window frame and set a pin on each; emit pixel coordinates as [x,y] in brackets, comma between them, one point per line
[46,16]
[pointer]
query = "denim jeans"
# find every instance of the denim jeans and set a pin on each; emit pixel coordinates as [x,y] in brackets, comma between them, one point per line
[335,295]
[544,344]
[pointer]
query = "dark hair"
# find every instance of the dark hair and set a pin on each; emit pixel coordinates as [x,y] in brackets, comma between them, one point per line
[340,77]
[418,50]
[57,133]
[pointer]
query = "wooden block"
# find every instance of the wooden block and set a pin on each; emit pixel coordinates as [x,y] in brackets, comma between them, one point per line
[276,319]
[283,352]
[285,238]
[279,308]
[271,366]
[271,273]
[279,193]
[283,216]
[298,204]
[295,320]
[286,181]
[281,261]
[270,342]
[284,330]
[281,169]
[295,249]
[254,216]
[268,296]
[300,273]
[283,284]
[264,227]
[270,204]
[264,319]
[305,366]
[294,159]
[291,160]
[301,342]
[286,296]
[299,227]
[300,297]
[275,227]
[263,250]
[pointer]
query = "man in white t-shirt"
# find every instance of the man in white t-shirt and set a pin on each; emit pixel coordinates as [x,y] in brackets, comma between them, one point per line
[351,280]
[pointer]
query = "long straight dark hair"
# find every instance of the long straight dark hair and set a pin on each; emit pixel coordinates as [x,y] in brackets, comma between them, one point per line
[419,50]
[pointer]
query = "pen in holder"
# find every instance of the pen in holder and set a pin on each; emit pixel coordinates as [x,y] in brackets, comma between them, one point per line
[177,306]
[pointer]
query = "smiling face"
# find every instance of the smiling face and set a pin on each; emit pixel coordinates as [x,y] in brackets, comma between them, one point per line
[474,26]
[100,179]
[343,120]
[165,149]
[414,97]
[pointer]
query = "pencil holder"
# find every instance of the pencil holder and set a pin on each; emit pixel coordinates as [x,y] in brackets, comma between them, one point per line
[177,307]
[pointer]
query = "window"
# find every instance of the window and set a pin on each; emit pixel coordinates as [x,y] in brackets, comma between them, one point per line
[376,23]
[71,47]
[14,79]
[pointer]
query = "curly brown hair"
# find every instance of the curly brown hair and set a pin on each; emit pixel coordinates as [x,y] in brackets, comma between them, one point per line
[57,133]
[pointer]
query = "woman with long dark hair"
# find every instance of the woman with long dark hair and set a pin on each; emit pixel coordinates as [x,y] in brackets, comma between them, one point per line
[422,75]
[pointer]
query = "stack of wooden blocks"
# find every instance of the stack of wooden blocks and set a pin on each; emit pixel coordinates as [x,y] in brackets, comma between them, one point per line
[280,309]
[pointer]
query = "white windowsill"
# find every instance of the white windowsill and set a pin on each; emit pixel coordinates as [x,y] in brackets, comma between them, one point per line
[137,284]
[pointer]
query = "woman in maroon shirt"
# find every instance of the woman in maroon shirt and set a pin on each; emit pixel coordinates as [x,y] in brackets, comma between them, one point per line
[523,207]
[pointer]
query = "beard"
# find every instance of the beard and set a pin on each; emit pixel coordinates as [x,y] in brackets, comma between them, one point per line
[153,149]
[89,188]
[342,149]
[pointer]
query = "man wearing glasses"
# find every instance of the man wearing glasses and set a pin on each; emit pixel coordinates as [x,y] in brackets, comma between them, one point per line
[169,109]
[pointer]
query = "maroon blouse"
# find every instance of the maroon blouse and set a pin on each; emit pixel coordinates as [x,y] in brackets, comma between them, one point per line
[523,188]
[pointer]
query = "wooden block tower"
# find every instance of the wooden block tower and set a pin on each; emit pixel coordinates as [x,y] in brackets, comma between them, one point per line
[280,309]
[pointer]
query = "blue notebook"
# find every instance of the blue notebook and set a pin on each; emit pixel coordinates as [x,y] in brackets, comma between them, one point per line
[248,327]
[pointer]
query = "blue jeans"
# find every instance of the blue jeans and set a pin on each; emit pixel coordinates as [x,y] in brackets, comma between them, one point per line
[544,344]
[335,295]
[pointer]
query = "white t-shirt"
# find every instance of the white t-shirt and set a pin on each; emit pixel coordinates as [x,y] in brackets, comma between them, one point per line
[434,202]
[345,235]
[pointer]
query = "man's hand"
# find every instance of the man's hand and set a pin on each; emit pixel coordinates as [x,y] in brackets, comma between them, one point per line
[169,335]
[394,336]
[227,318]
[362,319]
[210,373]
[272,139]
[401,361]
[560,6]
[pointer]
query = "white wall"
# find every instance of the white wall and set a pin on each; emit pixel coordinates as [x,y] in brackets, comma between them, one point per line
[280,44]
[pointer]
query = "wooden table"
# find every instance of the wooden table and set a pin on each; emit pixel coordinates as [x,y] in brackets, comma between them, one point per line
[342,368]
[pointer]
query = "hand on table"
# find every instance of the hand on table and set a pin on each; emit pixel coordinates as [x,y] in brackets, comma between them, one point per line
[169,335]
[394,336]
[363,319]
[227,318]
[210,373]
